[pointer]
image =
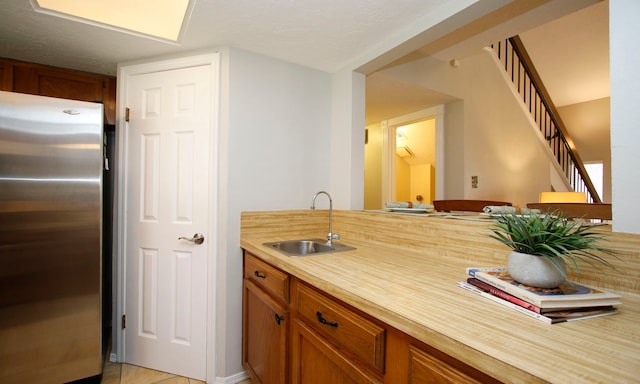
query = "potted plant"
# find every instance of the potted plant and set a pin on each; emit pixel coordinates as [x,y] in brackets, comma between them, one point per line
[543,247]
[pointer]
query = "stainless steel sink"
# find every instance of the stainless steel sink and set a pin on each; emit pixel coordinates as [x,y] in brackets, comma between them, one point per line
[307,247]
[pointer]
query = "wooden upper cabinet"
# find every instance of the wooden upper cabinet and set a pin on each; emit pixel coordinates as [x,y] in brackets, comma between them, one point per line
[6,76]
[44,80]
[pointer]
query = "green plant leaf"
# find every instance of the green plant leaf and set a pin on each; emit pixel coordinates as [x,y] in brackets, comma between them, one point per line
[554,237]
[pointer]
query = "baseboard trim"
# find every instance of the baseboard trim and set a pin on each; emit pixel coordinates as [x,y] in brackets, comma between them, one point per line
[233,379]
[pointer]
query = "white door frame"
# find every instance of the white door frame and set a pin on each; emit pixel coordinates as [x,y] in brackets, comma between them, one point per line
[389,149]
[124,72]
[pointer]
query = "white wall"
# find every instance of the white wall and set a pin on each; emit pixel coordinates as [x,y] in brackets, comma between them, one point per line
[276,134]
[491,137]
[502,146]
[373,168]
[624,31]
[347,140]
[454,149]
[593,138]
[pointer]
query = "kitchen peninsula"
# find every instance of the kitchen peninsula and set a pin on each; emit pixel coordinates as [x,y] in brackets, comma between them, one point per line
[400,283]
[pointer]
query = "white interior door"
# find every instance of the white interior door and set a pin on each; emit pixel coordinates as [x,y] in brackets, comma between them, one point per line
[167,194]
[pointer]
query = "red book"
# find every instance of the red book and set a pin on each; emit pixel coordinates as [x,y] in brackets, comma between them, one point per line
[548,317]
[503,295]
[534,308]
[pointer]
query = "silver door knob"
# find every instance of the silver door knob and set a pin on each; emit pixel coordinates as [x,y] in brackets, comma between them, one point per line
[198,238]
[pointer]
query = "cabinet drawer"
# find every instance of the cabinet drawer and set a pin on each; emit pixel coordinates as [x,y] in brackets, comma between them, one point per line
[349,330]
[267,277]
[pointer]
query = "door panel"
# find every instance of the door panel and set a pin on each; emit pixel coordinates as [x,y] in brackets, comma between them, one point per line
[167,194]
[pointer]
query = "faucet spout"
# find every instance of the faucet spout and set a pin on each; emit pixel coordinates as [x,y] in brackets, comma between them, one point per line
[330,236]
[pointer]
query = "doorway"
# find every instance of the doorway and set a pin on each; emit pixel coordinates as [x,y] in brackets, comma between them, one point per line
[415,161]
[388,165]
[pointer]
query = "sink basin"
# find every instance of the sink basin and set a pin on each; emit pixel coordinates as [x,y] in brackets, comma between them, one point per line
[307,247]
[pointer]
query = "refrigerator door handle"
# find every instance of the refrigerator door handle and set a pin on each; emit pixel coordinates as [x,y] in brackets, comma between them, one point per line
[198,238]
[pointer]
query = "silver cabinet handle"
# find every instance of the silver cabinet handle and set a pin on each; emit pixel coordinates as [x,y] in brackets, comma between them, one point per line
[198,238]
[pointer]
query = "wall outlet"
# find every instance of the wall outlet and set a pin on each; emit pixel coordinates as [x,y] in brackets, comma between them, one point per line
[474,181]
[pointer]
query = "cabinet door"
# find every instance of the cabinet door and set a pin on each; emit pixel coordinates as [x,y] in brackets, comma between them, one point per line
[424,368]
[265,330]
[66,84]
[352,332]
[6,76]
[316,361]
[53,82]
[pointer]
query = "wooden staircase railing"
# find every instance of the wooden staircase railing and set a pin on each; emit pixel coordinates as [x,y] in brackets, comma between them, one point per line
[520,69]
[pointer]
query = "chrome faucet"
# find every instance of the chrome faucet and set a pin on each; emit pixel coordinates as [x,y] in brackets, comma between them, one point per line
[330,236]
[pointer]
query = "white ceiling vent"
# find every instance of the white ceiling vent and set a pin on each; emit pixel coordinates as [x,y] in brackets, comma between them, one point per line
[404,151]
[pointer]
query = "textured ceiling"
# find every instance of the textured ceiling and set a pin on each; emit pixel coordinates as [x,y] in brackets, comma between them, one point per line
[330,35]
[321,34]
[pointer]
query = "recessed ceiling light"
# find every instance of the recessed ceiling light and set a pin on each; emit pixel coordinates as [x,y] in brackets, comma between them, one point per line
[164,20]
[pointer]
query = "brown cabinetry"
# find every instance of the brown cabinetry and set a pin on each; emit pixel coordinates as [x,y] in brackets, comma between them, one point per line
[6,76]
[266,320]
[316,338]
[352,332]
[332,343]
[315,360]
[425,368]
[265,336]
[36,79]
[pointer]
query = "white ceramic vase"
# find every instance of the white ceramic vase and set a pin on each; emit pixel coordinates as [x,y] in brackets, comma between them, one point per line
[535,271]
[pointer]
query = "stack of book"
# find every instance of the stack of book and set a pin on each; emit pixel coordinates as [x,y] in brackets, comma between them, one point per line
[569,302]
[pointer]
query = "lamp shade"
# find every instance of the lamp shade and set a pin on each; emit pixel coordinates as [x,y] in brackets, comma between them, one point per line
[563,197]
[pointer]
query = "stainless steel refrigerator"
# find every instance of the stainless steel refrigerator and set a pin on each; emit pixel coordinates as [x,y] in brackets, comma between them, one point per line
[50,239]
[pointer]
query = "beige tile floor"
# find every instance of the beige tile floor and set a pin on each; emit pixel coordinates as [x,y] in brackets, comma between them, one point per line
[115,373]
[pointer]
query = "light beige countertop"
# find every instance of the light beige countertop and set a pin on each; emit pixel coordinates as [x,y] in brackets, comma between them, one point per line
[410,283]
